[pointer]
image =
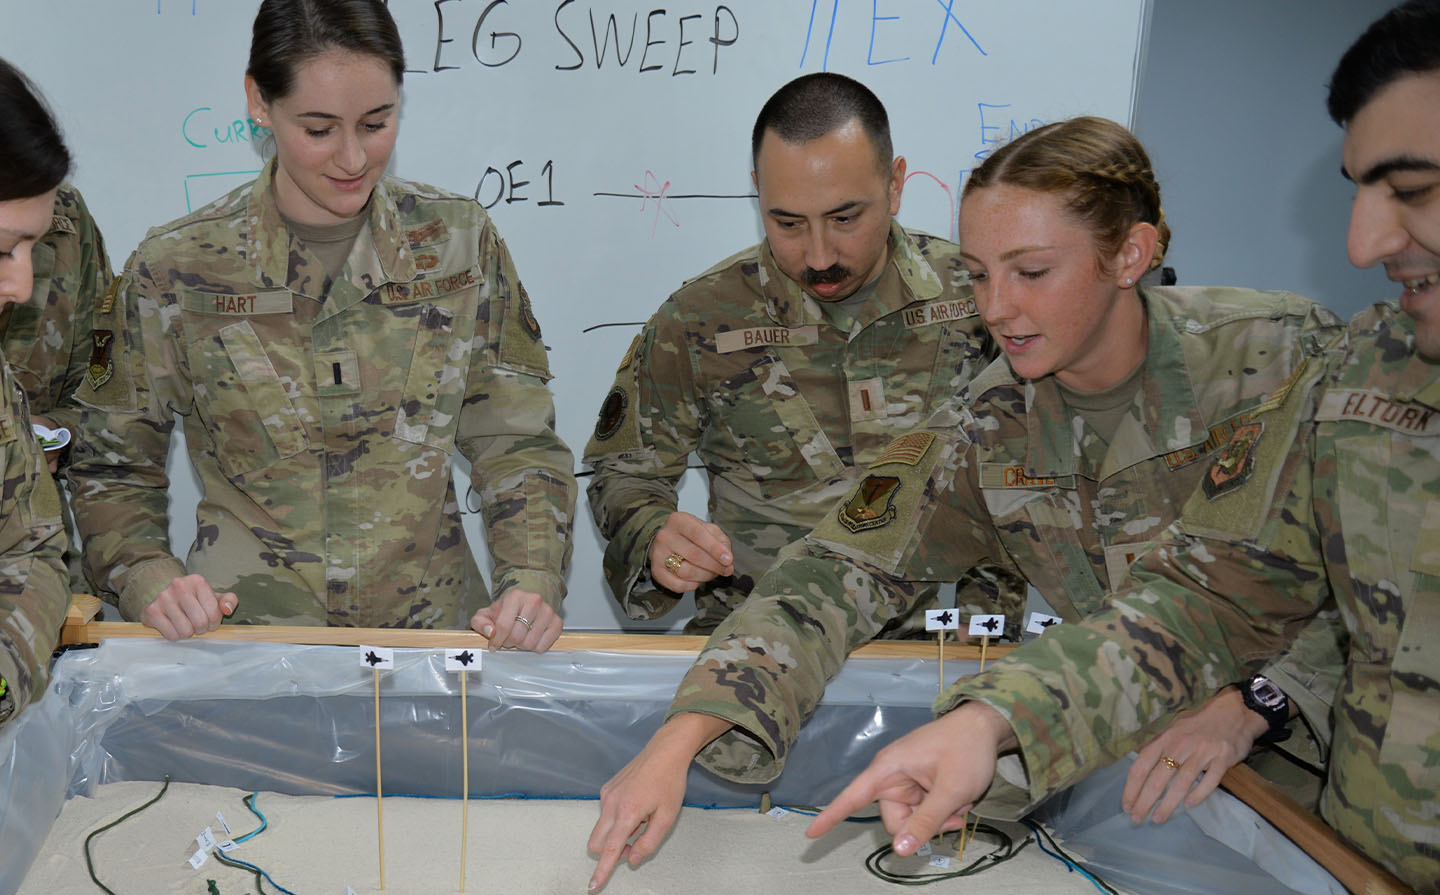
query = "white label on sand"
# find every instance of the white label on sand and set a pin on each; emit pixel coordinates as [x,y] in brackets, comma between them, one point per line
[221,818]
[206,840]
[777,811]
[226,845]
[198,859]
[940,861]
[923,851]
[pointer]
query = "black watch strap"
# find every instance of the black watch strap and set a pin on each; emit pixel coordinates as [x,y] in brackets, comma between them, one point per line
[1263,697]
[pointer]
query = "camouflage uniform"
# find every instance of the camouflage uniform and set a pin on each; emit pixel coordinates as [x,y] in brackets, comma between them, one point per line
[48,340]
[321,417]
[1343,503]
[1005,471]
[34,588]
[783,400]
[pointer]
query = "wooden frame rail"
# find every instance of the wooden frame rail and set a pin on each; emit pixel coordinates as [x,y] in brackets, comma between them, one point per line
[80,627]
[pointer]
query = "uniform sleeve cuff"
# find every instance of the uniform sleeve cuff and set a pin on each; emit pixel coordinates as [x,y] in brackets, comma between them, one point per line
[548,585]
[738,755]
[145,583]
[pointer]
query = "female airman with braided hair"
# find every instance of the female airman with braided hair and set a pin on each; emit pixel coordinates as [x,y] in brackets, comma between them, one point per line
[1112,404]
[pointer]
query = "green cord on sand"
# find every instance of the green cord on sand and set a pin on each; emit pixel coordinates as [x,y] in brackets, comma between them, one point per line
[89,862]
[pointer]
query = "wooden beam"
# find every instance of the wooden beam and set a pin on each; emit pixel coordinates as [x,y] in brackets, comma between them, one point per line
[642,644]
[1355,872]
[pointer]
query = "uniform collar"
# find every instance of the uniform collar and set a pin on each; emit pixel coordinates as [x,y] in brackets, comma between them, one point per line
[1390,362]
[388,257]
[1165,415]
[788,305]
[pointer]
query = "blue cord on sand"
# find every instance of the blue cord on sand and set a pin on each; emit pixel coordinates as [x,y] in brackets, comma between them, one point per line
[1064,859]
[250,803]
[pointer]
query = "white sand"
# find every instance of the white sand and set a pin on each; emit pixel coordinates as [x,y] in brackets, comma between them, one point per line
[316,844]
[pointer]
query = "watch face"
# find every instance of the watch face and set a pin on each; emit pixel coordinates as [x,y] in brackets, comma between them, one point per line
[1266,693]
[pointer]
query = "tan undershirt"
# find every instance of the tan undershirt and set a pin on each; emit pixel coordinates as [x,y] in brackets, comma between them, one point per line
[330,243]
[1104,410]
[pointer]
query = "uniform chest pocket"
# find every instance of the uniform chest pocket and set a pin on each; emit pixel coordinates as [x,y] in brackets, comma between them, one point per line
[1039,526]
[243,401]
[771,430]
[434,391]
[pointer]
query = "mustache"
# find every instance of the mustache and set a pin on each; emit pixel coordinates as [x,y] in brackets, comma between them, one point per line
[835,273]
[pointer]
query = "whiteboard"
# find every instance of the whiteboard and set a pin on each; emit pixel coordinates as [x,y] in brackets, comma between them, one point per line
[610,139]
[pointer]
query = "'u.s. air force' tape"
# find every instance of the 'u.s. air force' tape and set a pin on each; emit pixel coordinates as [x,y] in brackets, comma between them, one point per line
[942,620]
[378,657]
[1039,621]
[462,660]
[987,625]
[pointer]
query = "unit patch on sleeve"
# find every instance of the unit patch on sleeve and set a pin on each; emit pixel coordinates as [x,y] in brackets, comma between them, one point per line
[102,364]
[1235,463]
[872,505]
[527,316]
[612,414]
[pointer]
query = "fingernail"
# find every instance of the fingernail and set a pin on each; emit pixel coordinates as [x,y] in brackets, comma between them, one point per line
[594,885]
[906,845]
[487,630]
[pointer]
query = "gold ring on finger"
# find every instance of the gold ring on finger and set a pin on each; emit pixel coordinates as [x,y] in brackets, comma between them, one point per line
[673,562]
[1170,763]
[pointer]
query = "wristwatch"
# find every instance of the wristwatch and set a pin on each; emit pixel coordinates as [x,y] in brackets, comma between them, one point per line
[1269,702]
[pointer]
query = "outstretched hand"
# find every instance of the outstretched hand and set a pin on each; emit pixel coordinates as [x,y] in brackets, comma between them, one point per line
[928,780]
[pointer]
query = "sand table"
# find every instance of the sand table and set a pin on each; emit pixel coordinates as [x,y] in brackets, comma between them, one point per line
[317,844]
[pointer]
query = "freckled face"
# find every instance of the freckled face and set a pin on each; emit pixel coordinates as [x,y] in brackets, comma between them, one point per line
[23,222]
[1392,152]
[1042,293]
[334,134]
[827,206]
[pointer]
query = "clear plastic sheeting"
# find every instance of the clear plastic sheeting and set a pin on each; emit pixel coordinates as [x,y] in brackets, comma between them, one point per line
[301,720]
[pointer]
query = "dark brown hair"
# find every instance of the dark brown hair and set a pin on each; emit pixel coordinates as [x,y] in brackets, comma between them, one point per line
[289,33]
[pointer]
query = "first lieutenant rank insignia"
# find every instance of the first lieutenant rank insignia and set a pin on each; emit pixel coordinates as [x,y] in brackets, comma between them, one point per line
[1235,463]
[102,364]
[872,505]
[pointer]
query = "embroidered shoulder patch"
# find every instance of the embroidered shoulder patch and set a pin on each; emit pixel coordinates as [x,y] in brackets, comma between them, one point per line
[872,505]
[527,316]
[1235,462]
[908,449]
[102,363]
[62,224]
[612,414]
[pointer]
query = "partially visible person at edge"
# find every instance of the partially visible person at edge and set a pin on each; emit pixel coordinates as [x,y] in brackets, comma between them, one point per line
[48,340]
[331,335]
[1340,501]
[1065,456]
[786,368]
[34,588]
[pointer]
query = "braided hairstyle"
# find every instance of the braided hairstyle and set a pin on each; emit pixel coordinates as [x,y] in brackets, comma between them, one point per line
[1100,169]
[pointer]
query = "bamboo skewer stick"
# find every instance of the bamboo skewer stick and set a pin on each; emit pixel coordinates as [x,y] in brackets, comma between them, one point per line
[379,788]
[465,775]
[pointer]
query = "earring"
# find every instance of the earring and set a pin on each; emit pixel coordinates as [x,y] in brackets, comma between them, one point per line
[1129,281]
[258,122]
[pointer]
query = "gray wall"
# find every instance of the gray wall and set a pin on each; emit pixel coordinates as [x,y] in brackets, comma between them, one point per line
[1232,110]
